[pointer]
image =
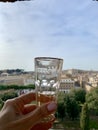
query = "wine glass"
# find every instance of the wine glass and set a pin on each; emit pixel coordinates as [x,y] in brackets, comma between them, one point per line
[47,78]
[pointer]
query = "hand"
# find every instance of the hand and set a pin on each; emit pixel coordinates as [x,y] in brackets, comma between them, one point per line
[19,114]
[43,125]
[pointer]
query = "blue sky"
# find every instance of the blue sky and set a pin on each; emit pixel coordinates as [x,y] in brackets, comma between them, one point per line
[55,28]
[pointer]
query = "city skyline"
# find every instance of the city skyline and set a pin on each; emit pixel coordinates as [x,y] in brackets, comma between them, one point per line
[62,29]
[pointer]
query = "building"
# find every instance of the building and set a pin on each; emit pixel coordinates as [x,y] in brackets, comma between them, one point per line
[93,80]
[12,80]
[66,85]
[22,79]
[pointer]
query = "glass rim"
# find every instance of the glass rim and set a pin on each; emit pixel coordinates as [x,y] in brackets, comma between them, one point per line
[48,58]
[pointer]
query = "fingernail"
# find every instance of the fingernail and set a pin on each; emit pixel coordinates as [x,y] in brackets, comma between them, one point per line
[52,106]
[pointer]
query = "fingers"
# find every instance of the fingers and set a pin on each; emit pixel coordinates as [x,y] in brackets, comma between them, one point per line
[44,110]
[29,97]
[29,108]
[38,114]
[18,103]
[26,98]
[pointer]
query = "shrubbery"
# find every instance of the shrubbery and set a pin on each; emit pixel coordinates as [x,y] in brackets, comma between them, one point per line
[9,92]
[8,95]
[84,118]
[69,104]
[6,87]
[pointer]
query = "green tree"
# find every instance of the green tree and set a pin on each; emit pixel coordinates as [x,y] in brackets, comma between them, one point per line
[61,110]
[84,117]
[92,99]
[60,97]
[9,95]
[72,107]
[79,95]
[16,87]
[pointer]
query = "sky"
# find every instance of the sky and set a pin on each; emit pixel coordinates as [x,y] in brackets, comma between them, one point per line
[54,28]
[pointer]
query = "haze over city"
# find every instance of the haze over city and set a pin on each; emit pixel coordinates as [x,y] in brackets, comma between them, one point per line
[55,28]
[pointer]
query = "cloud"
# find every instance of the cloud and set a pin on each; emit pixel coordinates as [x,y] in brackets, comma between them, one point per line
[48,28]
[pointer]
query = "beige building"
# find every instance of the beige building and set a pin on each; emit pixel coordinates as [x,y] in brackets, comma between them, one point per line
[12,80]
[93,81]
[23,79]
[88,87]
[66,85]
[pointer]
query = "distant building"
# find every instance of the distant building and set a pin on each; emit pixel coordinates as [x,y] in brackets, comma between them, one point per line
[28,81]
[93,81]
[22,79]
[12,80]
[88,87]
[66,85]
[4,74]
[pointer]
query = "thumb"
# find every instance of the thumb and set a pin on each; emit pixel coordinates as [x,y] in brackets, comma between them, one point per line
[45,110]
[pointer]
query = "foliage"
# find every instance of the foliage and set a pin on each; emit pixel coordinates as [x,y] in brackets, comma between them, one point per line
[11,71]
[79,95]
[60,97]
[61,110]
[84,118]
[1,103]
[92,99]
[72,107]
[7,96]
[6,87]
[71,102]
[94,124]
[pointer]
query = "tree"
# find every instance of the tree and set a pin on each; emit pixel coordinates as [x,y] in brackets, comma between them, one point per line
[9,95]
[79,95]
[72,107]
[60,97]
[61,110]
[92,99]
[84,118]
